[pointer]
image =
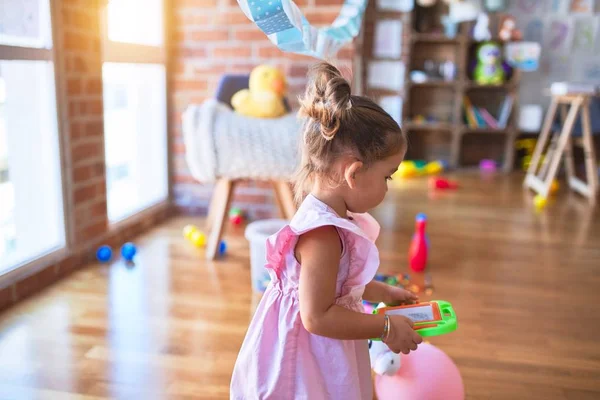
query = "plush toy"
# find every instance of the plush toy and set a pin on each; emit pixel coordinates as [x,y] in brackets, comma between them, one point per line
[265,95]
[383,360]
[481,31]
[489,69]
[508,30]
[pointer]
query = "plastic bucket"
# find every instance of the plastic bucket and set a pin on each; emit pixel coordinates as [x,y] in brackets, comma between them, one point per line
[257,234]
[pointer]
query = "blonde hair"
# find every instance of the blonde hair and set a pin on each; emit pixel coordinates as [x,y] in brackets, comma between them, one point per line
[337,124]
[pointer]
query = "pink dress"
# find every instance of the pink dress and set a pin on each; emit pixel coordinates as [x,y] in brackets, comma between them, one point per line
[279,358]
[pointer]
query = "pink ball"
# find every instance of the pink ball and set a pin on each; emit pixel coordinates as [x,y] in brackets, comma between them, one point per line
[426,374]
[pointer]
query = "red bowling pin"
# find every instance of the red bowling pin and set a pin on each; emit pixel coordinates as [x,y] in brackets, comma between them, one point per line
[417,253]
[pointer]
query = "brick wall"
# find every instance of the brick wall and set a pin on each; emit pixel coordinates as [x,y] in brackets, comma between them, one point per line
[78,60]
[214,37]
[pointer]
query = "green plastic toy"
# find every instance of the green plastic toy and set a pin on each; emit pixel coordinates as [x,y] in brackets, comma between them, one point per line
[489,69]
[432,318]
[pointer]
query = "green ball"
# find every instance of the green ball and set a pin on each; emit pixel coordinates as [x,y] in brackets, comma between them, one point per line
[420,163]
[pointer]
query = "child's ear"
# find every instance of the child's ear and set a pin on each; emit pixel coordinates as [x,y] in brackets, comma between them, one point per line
[350,173]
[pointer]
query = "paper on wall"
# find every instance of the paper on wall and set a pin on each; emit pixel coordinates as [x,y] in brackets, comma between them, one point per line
[388,39]
[393,106]
[386,75]
[396,5]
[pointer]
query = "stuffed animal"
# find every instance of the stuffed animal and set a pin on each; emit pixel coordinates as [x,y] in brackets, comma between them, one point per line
[489,69]
[508,30]
[481,31]
[383,360]
[264,97]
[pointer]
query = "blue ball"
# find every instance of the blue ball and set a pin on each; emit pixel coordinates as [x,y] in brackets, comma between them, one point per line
[222,247]
[128,251]
[104,253]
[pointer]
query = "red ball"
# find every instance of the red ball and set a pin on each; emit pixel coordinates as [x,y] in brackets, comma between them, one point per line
[236,219]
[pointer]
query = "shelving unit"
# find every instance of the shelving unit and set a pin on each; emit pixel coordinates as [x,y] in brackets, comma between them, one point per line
[444,134]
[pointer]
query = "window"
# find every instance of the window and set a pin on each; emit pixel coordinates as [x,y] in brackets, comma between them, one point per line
[135,108]
[31,203]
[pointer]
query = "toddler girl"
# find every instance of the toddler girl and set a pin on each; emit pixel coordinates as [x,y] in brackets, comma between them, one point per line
[308,337]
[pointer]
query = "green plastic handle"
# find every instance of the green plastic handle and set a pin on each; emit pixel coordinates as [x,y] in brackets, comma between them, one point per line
[447,324]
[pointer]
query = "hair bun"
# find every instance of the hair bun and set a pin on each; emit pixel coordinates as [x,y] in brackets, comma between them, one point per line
[326,99]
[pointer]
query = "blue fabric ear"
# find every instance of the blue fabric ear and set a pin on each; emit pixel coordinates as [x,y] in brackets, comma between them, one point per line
[287,28]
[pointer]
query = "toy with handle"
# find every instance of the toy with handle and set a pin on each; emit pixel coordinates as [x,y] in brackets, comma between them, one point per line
[431,318]
[417,254]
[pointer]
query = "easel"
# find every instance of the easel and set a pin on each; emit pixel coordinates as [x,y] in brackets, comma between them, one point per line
[562,142]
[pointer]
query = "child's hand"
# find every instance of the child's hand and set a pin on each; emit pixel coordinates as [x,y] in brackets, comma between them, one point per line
[402,337]
[398,296]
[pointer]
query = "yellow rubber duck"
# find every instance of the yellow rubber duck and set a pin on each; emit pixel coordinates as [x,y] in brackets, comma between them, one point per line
[264,97]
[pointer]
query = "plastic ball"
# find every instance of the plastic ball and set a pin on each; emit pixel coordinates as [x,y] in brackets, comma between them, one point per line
[222,247]
[198,239]
[236,219]
[104,253]
[426,374]
[188,230]
[554,187]
[128,251]
[539,202]
[406,169]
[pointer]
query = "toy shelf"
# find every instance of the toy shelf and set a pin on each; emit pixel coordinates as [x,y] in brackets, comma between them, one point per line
[433,111]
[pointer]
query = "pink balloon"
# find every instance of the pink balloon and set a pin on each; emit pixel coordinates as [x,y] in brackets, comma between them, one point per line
[426,374]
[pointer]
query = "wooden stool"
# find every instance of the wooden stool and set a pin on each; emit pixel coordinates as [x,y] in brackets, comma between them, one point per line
[221,201]
[562,142]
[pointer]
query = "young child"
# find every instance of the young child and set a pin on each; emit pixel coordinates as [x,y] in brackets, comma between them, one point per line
[308,337]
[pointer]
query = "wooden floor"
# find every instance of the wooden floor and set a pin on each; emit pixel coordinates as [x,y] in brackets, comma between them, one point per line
[526,287]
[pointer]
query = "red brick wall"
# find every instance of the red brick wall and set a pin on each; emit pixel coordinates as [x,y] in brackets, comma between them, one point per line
[214,37]
[78,60]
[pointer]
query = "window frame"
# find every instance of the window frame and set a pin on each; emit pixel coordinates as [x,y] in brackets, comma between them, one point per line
[131,53]
[31,266]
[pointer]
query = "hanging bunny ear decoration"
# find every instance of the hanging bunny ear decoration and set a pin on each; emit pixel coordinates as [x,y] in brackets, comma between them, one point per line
[287,28]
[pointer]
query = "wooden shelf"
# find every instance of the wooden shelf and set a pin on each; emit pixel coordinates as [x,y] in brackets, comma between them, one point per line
[432,126]
[433,83]
[476,86]
[433,38]
[484,131]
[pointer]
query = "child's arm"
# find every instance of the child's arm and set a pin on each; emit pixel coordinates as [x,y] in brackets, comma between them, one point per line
[378,292]
[319,253]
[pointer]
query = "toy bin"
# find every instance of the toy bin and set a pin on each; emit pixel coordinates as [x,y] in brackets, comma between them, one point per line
[257,234]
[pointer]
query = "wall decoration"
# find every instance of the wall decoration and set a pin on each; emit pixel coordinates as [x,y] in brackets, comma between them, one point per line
[386,75]
[530,6]
[393,106]
[559,6]
[559,35]
[582,6]
[388,39]
[396,5]
[584,33]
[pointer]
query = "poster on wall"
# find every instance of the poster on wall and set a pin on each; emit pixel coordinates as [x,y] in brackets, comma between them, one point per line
[533,30]
[531,7]
[559,6]
[584,34]
[393,106]
[388,39]
[582,6]
[386,75]
[396,5]
[558,37]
